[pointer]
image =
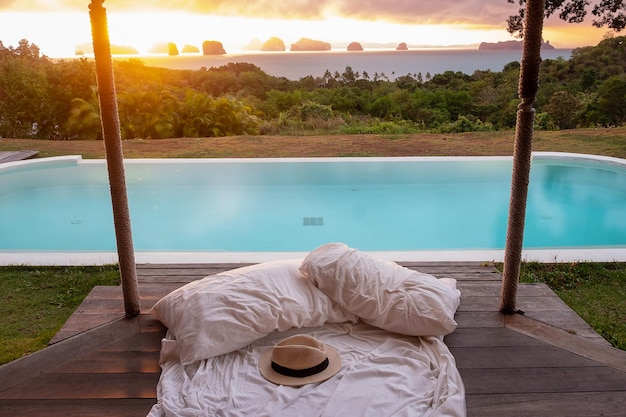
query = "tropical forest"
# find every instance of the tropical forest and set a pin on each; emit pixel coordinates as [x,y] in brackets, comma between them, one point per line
[41,98]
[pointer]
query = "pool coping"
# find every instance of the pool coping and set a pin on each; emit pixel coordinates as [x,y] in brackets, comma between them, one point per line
[603,254]
[553,255]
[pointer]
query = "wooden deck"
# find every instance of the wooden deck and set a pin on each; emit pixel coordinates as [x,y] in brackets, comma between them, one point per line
[547,362]
[11,156]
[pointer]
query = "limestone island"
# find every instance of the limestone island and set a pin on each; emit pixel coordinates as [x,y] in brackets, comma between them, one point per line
[190,49]
[212,48]
[402,47]
[305,44]
[509,46]
[355,46]
[273,44]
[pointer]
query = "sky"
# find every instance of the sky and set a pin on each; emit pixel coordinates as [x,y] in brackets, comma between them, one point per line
[61,27]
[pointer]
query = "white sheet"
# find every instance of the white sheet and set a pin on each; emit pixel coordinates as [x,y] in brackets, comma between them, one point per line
[383,374]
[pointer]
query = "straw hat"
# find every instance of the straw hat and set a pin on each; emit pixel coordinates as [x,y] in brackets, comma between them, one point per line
[299,360]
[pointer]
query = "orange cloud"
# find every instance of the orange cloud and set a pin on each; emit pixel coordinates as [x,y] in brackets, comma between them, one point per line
[402,11]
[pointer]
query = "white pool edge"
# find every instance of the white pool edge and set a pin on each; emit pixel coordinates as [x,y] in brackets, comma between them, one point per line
[104,258]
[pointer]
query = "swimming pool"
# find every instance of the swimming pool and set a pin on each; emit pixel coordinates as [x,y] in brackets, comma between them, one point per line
[58,210]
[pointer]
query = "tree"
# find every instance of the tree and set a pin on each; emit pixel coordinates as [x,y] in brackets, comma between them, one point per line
[611,103]
[608,13]
[349,76]
[25,105]
[565,108]
[84,120]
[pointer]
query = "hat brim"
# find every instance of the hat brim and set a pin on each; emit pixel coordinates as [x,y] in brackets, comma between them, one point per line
[265,367]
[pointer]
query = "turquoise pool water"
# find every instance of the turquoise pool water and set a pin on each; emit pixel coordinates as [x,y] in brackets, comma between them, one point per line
[295,205]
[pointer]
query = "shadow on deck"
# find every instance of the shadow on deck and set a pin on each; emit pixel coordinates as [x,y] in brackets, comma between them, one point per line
[548,362]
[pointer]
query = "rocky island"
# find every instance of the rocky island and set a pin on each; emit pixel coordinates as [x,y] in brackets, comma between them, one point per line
[355,46]
[212,48]
[273,44]
[402,47]
[305,44]
[190,49]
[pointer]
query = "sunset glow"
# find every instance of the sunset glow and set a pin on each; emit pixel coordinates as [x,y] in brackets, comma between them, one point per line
[61,33]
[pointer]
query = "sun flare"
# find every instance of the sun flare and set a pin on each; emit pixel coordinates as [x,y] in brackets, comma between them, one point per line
[143,30]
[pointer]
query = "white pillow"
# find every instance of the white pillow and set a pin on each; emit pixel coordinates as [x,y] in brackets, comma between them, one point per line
[382,293]
[225,312]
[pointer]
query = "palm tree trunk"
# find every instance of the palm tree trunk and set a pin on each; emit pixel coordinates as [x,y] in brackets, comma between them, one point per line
[115,160]
[528,85]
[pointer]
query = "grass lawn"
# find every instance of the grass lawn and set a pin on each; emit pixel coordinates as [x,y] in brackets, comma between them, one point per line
[601,141]
[596,291]
[36,301]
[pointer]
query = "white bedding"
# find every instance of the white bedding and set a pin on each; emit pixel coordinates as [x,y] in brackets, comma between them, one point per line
[219,326]
[383,374]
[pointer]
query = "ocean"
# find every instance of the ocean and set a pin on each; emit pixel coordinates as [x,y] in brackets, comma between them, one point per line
[391,63]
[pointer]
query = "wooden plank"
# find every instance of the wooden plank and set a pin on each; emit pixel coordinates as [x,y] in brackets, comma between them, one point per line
[104,294]
[435,267]
[538,356]
[106,362]
[492,289]
[127,407]
[488,337]
[105,304]
[461,277]
[476,267]
[168,279]
[30,366]
[12,156]
[584,404]
[183,270]
[479,319]
[86,385]
[535,380]
[148,324]
[102,306]
[144,342]
[86,321]
[224,266]
[540,303]
[601,353]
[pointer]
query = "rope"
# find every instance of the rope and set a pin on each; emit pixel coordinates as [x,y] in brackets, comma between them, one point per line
[528,86]
[115,158]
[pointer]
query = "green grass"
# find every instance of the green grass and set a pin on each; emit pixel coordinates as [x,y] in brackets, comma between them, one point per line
[594,290]
[36,301]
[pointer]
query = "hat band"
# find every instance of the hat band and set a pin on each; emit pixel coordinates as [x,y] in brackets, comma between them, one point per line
[300,373]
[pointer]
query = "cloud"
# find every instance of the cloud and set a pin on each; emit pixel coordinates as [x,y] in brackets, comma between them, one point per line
[490,12]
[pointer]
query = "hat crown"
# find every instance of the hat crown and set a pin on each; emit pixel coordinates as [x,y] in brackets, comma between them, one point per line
[299,352]
[299,360]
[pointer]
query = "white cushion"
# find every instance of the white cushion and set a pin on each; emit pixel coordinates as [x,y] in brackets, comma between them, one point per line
[383,293]
[225,312]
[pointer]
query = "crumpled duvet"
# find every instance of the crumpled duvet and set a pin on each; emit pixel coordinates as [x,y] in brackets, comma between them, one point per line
[383,374]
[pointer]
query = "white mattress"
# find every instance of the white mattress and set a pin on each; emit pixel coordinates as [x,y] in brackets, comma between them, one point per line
[383,374]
